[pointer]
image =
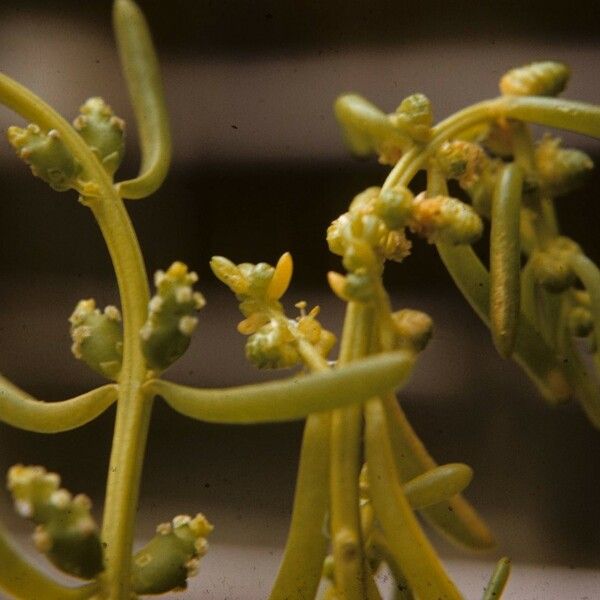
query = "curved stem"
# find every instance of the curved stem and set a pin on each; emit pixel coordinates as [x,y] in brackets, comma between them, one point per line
[142,75]
[288,399]
[19,409]
[415,555]
[300,570]
[22,580]
[133,413]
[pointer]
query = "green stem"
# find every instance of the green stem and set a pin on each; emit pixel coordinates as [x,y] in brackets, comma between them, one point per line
[289,399]
[19,409]
[133,412]
[346,425]
[306,547]
[142,75]
[497,582]
[415,555]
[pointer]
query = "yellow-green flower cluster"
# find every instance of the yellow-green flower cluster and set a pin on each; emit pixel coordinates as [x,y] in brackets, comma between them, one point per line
[171,318]
[171,556]
[66,532]
[551,266]
[561,170]
[97,337]
[46,154]
[103,132]
[546,78]
[272,341]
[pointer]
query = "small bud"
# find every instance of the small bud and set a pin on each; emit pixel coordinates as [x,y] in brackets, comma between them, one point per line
[368,130]
[536,79]
[171,556]
[413,328]
[171,317]
[461,160]
[359,286]
[415,117]
[561,170]
[66,532]
[551,266]
[337,283]
[46,154]
[229,274]
[445,219]
[272,347]
[394,206]
[97,337]
[103,132]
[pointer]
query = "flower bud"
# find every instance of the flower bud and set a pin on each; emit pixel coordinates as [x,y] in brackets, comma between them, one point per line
[415,117]
[394,206]
[46,154]
[272,347]
[413,328]
[66,532]
[97,337]
[172,317]
[446,220]
[561,170]
[551,267]
[172,556]
[103,132]
[536,79]
[461,160]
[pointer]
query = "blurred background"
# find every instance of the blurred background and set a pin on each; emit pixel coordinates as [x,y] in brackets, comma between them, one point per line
[259,168]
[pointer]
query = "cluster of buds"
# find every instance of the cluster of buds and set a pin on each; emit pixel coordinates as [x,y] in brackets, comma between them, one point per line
[103,132]
[551,266]
[172,319]
[171,556]
[272,341]
[49,158]
[369,130]
[46,154]
[373,230]
[560,170]
[413,329]
[97,337]
[66,532]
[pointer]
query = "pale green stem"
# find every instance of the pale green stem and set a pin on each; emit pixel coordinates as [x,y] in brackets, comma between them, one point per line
[300,570]
[22,580]
[288,399]
[402,590]
[133,413]
[306,546]
[142,75]
[498,580]
[346,426]
[415,555]
[554,112]
[19,409]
